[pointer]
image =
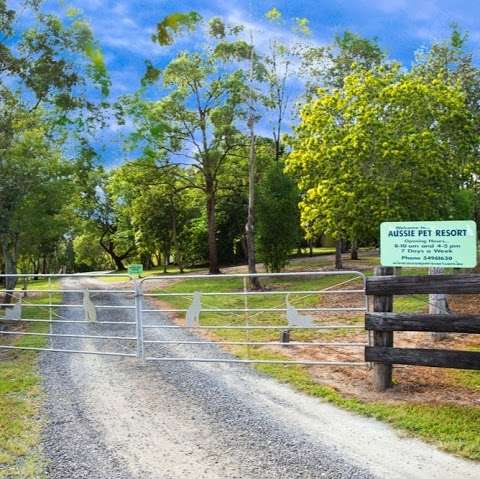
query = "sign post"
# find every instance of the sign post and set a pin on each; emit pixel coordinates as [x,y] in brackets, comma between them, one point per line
[443,244]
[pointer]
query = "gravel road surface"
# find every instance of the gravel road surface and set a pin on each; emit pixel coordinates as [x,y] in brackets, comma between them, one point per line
[115,418]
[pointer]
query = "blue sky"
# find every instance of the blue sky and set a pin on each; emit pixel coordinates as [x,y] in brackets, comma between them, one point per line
[124,28]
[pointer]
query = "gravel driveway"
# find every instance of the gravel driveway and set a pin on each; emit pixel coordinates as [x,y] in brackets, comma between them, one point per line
[110,418]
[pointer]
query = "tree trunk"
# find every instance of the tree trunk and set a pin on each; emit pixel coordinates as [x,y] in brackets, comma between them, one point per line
[250,226]
[117,260]
[165,262]
[437,304]
[212,228]
[10,260]
[178,251]
[25,287]
[36,270]
[310,249]
[110,249]
[354,251]
[338,254]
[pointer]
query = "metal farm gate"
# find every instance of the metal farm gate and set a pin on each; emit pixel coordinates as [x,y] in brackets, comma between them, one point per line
[311,318]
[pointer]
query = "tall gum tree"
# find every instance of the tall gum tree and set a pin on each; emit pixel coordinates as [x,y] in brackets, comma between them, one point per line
[194,122]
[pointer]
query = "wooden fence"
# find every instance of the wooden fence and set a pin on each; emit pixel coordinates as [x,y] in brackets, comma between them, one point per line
[383,322]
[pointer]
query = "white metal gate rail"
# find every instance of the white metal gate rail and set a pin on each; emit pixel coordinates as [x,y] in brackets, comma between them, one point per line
[150,319]
[162,312]
[17,294]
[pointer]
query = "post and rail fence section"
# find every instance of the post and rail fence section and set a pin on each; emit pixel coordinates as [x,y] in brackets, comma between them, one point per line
[383,323]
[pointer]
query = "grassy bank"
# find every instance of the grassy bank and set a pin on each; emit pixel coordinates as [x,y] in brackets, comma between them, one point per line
[454,428]
[20,399]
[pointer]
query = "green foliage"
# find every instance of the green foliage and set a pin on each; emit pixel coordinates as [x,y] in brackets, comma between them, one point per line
[277,218]
[351,51]
[194,122]
[102,217]
[328,66]
[48,63]
[175,23]
[89,254]
[386,146]
[463,207]
[159,206]
[34,192]
[274,14]
[51,60]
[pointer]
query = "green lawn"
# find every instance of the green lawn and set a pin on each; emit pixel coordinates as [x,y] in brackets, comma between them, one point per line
[20,400]
[453,428]
[41,283]
[300,300]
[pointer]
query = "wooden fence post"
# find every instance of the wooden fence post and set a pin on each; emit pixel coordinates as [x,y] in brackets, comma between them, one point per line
[382,373]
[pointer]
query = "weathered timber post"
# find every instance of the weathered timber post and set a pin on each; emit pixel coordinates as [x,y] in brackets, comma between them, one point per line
[382,373]
[285,336]
[437,304]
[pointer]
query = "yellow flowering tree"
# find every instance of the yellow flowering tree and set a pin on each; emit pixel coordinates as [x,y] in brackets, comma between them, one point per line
[387,145]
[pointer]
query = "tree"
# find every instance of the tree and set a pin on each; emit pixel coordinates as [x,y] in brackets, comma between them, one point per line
[89,255]
[110,221]
[32,193]
[46,66]
[277,217]
[159,205]
[451,61]
[350,51]
[327,67]
[194,122]
[268,75]
[386,146]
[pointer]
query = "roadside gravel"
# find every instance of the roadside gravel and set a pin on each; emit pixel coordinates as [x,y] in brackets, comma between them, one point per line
[116,418]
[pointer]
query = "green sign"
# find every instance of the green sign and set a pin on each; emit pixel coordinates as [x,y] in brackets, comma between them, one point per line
[135,269]
[450,244]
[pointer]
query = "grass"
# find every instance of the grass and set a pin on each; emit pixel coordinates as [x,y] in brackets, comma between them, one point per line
[410,304]
[218,283]
[20,400]
[41,283]
[316,251]
[453,428]
[157,271]
[468,379]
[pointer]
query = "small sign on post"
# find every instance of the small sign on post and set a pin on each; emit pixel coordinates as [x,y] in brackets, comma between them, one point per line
[135,269]
[447,244]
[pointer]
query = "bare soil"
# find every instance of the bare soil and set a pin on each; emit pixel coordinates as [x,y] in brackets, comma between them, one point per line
[411,384]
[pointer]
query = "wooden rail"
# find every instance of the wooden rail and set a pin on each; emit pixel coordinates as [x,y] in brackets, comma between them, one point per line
[382,322]
[434,284]
[439,323]
[435,358]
